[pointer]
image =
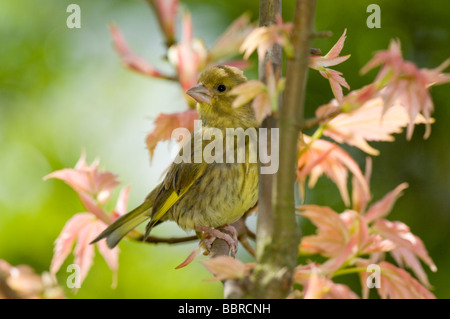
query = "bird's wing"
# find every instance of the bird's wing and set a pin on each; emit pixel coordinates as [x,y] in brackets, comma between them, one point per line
[178,180]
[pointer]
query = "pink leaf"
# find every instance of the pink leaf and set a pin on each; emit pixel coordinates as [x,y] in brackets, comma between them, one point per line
[262,107]
[230,41]
[397,283]
[92,206]
[166,123]
[84,252]
[87,180]
[321,63]
[406,84]
[401,236]
[332,233]
[368,123]
[122,201]
[383,207]
[226,267]
[66,239]
[246,92]
[347,253]
[262,38]
[315,287]
[83,227]
[405,257]
[189,56]
[264,96]
[336,81]
[166,12]
[322,157]
[111,256]
[256,91]
[337,48]
[129,58]
[360,198]
[376,244]
[357,226]
[190,258]
[303,272]
[319,287]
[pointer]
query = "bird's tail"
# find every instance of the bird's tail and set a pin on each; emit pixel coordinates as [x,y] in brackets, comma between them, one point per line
[124,224]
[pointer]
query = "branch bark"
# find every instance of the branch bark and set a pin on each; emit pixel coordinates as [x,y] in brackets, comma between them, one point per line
[278,233]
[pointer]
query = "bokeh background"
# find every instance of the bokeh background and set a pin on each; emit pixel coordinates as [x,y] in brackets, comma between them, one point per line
[64,90]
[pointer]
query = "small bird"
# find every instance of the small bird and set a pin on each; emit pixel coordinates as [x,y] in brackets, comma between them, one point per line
[205,197]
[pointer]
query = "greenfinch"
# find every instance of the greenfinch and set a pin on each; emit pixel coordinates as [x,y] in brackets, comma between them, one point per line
[198,195]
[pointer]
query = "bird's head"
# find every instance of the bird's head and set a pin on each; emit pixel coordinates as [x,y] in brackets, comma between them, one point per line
[212,90]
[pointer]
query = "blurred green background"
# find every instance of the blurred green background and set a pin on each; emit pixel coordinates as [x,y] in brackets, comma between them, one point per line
[63,90]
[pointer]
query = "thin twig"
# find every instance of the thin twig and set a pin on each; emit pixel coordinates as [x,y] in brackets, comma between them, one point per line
[316,121]
[250,234]
[315,51]
[322,34]
[172,240]
[246,244]
[168,77]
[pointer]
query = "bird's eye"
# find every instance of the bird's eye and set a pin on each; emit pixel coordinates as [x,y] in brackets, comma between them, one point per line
[221,88]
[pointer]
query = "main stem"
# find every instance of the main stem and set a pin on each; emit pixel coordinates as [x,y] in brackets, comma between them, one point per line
[268,11]
[278,233]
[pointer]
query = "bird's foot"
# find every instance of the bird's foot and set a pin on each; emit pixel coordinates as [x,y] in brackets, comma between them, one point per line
[212,234]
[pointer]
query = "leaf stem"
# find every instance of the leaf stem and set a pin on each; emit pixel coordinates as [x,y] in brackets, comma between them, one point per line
[347,271]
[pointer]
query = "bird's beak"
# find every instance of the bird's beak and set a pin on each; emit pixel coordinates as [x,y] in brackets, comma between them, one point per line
[200,93]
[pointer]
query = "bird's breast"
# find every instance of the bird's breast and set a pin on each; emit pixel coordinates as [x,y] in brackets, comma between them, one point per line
[221,196]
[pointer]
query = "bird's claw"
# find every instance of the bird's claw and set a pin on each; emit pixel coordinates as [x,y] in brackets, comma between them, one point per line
[212,234]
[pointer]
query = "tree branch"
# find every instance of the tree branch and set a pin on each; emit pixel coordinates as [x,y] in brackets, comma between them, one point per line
[268,12]
[221,248]
[278,235]
[316,121]
[171,240]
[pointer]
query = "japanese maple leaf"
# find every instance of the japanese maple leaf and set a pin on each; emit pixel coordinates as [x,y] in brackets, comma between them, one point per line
[94,189]
[320,287]
[166,123]
[92,186]
[319,157]
[368,123]
[264,96]
[322,64]
[396,237]
[331,235]
[189,56]
[406,84]
[409,247]
[166,13]
[228,44]
[226,267]
[130,59]
[396,283]
[82,228]
[263,38]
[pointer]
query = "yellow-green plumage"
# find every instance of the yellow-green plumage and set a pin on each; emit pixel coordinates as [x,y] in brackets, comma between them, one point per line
[202,194]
